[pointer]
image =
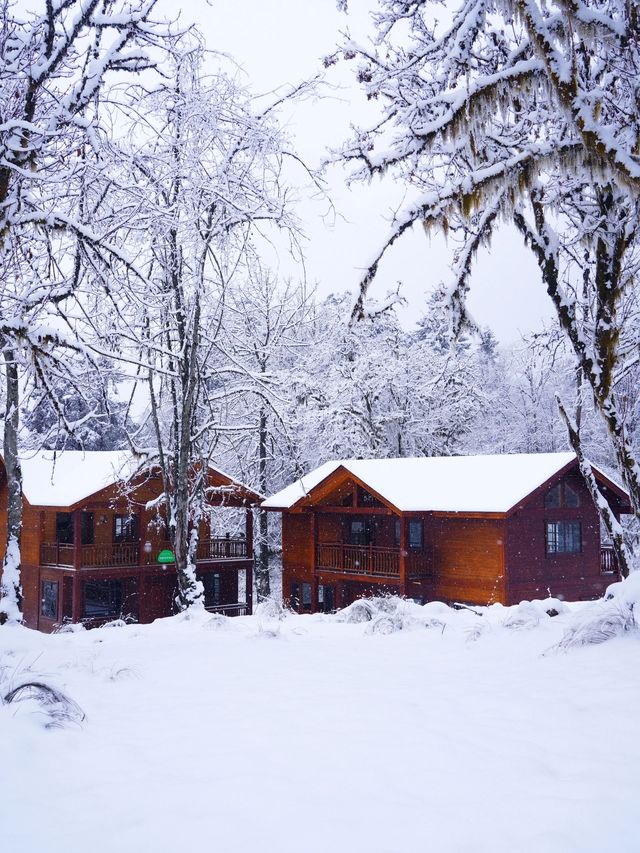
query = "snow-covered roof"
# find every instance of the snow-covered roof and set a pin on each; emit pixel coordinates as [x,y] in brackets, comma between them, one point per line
[440,483]
[63,478]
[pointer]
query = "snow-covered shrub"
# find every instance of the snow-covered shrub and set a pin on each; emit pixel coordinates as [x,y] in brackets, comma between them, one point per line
[524,615]
[601,622]
[69,628]
[36,697]
[385,624]
[362,610]
[271,608]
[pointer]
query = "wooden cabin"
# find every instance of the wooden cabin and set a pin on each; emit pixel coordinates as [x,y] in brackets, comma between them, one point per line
[93,551]
[475,530]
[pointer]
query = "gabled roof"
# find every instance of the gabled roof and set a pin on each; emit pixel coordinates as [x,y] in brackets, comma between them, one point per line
[487,484]
[64,478]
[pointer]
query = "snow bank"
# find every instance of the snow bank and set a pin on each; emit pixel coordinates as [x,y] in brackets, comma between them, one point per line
[388,733]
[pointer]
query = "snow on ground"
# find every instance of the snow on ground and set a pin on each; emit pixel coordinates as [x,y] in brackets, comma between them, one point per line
[460,732]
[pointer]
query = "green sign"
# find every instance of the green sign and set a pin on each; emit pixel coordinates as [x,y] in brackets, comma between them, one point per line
[166,556]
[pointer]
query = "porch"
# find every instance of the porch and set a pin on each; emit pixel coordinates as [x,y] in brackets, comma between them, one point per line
[372,561]
[137,553]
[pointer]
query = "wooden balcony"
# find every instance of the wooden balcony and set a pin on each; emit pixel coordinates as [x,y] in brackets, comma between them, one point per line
[608,561]
[116,554]
[370,561]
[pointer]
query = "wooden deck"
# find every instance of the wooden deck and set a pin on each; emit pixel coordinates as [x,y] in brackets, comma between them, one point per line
[117,554]
[370,561]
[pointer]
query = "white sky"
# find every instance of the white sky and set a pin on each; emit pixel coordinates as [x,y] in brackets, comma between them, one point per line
[281,42]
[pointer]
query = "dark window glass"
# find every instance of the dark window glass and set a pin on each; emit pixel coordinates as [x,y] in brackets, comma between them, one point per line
[86,528]
[396,533]
[125,528]
[326,598]
[102,598]
[552,498]
[564,537]
[365,498]
[49,604]
[360,532]
[571,497]
[415,535]
[306,596]
[64,528]
[212,589]
[295,595]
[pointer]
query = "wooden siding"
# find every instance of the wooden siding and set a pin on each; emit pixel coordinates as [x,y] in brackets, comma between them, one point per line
[532,573]
[468,560]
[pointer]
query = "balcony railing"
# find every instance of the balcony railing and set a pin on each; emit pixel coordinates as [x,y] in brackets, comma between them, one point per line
[222,549]
[239,609]
[608,561]
[114,554]
[370,560]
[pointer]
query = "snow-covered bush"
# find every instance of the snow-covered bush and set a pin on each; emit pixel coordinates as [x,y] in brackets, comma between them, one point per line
[39,698]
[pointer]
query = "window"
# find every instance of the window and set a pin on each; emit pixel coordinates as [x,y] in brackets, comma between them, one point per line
[64,528]
[295,595]
[306,597]
[553,497]
[125,528]
[102,598]
[360,532]
[564,537]
[571,497]
[561,495]
[49,603]
[326,598]
[396,532]
[415,536]
[365,498]
[86,528]
[212,589]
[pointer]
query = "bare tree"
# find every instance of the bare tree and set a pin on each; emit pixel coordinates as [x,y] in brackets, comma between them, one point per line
[203,173]
[53,66]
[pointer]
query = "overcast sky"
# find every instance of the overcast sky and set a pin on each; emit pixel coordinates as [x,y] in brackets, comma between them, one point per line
[279,43]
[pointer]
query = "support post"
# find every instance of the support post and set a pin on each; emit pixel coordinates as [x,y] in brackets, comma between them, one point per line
[77,539]
[142,533]
[249,532]
[250,568]
[76,610]
[403,556]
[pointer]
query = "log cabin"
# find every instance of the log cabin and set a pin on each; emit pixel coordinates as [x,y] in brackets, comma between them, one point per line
[93,550]
[474,530]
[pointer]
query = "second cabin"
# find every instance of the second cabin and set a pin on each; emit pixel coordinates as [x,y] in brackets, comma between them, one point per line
[470,529]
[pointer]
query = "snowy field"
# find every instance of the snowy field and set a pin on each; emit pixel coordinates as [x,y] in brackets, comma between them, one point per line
[459,732]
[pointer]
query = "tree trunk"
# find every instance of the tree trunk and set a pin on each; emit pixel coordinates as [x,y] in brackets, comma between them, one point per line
[263,581]
[607,517]
[11,600]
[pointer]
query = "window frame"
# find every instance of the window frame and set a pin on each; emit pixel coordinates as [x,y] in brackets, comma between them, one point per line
[45,599]
[115,601]
[131,521]
[561,541]
[561,487]
[412,546]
